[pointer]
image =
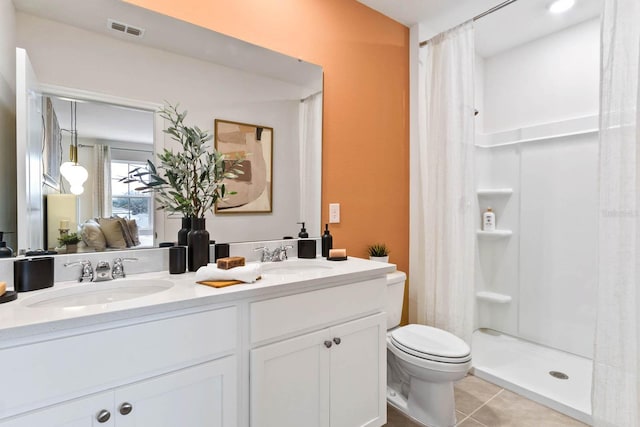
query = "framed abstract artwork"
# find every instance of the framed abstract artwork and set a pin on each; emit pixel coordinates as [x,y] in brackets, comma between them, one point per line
[52,149]
[253,188]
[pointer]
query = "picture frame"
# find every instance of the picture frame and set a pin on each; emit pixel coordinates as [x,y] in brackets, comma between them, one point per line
[254,187]
[52,149]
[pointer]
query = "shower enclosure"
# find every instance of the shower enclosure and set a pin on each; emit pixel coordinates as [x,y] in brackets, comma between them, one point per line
[537,168]
[536,274]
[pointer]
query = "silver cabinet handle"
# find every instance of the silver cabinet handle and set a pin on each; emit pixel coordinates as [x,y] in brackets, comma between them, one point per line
[126,408]
[103,416]
[328,344]
[337,340]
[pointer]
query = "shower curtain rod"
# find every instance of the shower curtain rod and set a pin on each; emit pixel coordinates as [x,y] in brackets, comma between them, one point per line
[483,14]
[118,148]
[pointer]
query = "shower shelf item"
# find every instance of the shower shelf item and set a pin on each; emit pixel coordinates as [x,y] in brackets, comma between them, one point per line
[494,235]
[493,297]
[495,191]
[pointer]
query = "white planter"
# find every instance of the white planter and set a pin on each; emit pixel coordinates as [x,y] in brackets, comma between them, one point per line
[379,258]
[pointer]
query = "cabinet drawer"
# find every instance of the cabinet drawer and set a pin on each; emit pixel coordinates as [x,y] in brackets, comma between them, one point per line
[302,312]
[48,372]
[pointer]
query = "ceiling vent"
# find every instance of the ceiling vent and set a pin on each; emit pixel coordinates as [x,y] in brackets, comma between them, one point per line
[121,27]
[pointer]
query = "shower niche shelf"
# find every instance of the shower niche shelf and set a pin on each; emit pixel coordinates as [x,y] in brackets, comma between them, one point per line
[494,235]
[493,297]
[494,192]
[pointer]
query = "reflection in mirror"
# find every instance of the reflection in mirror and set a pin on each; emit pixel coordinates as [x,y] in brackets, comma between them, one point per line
[75,54]
[108,141]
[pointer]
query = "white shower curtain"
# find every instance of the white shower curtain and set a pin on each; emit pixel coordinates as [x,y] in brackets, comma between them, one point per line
[616,378]
[102,194]
[310,152]
[446,232]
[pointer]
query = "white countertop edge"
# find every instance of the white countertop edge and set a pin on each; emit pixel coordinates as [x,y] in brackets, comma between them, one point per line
[21,325]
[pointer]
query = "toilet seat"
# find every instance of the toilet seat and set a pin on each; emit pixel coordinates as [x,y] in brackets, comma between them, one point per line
[431,344]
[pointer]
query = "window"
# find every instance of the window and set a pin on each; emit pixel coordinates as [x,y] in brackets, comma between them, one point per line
[126,202]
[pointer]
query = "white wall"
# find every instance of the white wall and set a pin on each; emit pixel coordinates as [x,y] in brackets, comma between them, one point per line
[8,121]
[70,57]
[547,80]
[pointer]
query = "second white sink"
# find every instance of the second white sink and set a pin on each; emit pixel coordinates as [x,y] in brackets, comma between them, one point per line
[294,267]
[96,293]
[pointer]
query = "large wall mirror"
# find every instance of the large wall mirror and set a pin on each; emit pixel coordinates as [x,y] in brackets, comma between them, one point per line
[92,77]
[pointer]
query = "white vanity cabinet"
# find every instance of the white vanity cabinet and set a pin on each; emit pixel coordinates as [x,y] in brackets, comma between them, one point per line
[333,374]
[203,395]
[173,371]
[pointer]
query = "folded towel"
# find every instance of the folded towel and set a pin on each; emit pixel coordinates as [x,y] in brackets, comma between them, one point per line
[248,273]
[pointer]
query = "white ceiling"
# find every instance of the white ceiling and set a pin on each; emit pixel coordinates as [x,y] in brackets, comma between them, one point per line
[107,122]
[513,25]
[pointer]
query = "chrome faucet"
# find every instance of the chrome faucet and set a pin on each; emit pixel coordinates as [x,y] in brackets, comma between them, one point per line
[86,272]
[118,267]
[103,272]
[276,255]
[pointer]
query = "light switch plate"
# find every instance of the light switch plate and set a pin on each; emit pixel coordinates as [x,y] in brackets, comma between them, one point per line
[334,213]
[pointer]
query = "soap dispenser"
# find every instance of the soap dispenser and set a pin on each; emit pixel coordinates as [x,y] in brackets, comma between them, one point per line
[303,231]
[327,241]
[5,251]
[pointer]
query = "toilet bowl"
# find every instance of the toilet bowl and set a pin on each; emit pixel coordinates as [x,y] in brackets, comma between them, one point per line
[422,364]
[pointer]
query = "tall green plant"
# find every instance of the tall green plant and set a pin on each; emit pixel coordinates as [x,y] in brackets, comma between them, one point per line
[189,181]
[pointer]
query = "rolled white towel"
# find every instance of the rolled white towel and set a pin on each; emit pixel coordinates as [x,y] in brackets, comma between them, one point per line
[248,273]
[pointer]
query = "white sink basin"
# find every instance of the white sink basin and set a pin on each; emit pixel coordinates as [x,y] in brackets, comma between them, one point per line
[97,293]
[294,267]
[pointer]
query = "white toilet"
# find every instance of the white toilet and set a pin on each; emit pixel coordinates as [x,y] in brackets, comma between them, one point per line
[422,364]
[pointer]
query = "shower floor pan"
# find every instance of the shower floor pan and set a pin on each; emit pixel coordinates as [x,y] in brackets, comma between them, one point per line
[524,368]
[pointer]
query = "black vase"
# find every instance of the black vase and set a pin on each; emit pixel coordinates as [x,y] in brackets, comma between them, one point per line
[182,233]
[198,243]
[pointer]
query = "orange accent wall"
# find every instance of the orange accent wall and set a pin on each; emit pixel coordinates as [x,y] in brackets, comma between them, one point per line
[365,57]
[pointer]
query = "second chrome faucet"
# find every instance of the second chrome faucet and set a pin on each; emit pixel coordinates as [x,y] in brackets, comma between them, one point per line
[103,270]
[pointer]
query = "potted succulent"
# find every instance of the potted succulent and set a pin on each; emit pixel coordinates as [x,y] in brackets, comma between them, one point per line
[189,181]
[378,252]
[70,241]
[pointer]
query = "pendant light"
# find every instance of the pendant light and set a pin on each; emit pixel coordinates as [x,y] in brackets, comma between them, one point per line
[74,173]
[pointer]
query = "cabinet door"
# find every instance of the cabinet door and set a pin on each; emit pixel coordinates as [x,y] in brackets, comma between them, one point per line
[290,383]
[358,373]
[76,413]
[203,395]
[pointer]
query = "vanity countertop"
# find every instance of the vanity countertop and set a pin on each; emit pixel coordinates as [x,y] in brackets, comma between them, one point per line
[20,323]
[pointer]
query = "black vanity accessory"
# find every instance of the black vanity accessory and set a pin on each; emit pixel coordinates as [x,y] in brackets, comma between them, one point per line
[327,241]
[221,250]
[307,248]
[177,259]
[31,274]
[5,251]
[8,297]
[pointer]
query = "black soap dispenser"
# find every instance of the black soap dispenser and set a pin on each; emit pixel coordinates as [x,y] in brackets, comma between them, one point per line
[327,241]
[303,231]
[5,251]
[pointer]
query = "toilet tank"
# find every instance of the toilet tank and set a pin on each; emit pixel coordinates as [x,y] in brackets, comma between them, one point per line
[395,297]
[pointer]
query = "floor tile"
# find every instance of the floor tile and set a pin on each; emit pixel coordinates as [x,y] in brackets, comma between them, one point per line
[508,409]
[472,392]
[470,422]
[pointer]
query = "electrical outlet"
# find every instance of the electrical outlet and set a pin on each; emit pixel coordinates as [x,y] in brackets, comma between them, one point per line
[334,213]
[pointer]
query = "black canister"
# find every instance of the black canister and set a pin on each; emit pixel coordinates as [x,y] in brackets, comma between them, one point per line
[31,274]
[177,259]
[221,250]
[307,248]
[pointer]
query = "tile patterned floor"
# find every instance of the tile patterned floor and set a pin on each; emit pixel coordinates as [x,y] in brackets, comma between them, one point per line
[482,404]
